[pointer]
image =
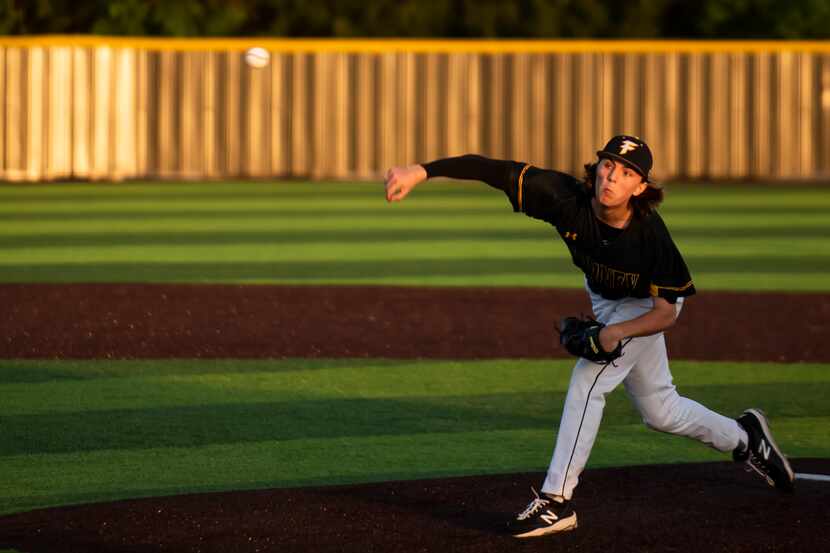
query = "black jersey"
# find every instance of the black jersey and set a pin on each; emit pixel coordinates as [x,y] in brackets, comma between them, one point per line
[639,261]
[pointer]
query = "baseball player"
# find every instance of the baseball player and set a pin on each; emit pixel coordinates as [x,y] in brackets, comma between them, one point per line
[637,281]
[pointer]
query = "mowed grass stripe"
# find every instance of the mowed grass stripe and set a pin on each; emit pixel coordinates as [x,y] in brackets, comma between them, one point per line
[36,481]
[806,239]
[293,197]
[219,401]
[72,381]
[700,195]
[482,209]
[60,479]
[409,213]
[117,429]
[303,418]
[57,479]
[702,254]
[494,202]
[753,273]
[448,233]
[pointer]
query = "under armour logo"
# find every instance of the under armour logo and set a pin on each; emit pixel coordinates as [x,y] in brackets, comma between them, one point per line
[627,146]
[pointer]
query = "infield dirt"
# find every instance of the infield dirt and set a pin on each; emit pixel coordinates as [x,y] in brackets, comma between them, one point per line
[89,321]
[712,507]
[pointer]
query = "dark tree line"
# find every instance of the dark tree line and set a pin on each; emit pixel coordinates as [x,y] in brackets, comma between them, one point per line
[727,19]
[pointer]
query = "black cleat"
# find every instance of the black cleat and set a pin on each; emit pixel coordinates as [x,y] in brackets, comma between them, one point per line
[543,516]
[762,454]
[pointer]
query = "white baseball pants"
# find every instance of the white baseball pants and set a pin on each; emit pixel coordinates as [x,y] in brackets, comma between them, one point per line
[644,371]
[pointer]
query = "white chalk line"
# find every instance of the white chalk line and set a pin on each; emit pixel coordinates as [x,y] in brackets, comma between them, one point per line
[808,476]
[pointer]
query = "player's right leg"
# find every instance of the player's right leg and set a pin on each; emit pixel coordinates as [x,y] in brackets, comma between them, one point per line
[585,401]
[544,515]
[581,417]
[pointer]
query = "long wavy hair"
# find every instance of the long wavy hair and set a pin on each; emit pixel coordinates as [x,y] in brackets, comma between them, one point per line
[642,205]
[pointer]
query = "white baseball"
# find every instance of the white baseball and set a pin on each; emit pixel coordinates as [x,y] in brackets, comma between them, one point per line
[257,57]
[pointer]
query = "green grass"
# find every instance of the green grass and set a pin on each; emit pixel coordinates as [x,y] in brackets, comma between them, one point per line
[446,233]
[81,431]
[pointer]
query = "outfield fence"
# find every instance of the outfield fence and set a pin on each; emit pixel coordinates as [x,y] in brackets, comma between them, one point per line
[115,108]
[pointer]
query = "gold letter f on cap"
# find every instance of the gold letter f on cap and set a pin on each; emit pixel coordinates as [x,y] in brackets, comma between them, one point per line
[628,146]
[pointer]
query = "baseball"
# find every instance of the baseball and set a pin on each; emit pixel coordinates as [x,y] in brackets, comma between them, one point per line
[257,57]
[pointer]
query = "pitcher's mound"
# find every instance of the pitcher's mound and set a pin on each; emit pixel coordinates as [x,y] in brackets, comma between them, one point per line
[713,507]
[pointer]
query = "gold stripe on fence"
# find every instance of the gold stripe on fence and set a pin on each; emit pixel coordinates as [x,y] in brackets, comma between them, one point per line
[116,108]
[420,46]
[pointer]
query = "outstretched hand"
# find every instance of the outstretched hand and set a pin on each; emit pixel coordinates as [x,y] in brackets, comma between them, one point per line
[401,180]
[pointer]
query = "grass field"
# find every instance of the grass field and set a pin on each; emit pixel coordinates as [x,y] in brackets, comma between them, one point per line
[93,430]
[78,431]
[763,238]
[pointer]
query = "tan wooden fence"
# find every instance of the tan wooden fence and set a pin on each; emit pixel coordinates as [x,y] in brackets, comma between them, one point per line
[107,108]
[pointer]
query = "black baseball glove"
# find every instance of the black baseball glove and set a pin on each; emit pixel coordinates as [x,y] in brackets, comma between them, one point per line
[581,338]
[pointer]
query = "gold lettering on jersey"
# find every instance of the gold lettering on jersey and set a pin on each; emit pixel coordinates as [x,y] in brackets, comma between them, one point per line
[569,234]
[612,278]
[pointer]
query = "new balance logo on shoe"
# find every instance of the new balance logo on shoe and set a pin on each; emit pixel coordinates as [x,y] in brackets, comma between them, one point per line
[765,449]
[544,515]
[549,517]
[763,455]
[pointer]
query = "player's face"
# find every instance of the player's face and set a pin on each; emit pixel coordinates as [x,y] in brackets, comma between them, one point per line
[616,183]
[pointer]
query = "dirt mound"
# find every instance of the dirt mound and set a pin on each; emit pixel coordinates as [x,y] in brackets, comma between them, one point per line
[86,321]
[714,507]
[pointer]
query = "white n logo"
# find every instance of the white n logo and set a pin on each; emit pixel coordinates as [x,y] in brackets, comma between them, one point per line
[765,449]
[550,518]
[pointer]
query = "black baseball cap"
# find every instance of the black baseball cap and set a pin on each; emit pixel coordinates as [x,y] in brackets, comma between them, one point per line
[630,150]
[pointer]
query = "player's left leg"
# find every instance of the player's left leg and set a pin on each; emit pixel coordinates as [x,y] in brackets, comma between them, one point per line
[649,385]
[762,454]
